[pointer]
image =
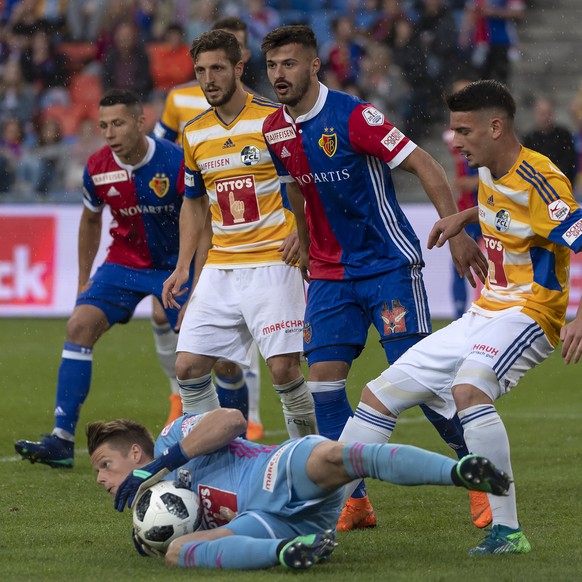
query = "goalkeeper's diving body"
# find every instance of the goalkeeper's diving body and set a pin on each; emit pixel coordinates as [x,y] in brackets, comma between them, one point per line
[285,498]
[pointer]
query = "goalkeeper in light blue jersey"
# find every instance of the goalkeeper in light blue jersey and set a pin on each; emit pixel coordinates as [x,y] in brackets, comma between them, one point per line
[262,505]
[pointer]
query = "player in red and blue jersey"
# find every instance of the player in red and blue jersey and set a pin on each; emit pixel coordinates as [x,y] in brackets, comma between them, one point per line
[364,257]
[142,181]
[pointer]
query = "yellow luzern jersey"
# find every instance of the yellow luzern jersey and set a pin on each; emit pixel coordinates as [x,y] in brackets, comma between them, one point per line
[530,221]
[183,103]
[231,164]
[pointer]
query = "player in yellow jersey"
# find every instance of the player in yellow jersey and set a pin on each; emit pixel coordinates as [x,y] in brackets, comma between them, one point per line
[183,103]
[246,290]
[530,222]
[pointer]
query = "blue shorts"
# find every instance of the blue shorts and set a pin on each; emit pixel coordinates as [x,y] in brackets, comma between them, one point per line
[339,314]
[282,501]
[117,290]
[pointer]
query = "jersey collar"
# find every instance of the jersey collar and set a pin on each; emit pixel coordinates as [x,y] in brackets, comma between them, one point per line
[321,98]
[149,155]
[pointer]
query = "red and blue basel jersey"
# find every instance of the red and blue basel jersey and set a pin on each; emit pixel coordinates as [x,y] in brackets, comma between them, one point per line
[340,154]
[145,202]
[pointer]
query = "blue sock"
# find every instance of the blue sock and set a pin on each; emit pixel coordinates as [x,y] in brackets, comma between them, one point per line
[399,464]
[233,392]
[332,408]
[332,411]
[73,383]
[232,552]
[451,430]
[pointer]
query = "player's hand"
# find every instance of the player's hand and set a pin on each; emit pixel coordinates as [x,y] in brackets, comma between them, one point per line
[142,548]
[174,287]
[304,265]
[468,258]
[137,482]
[571,337]
[289,249]
[445,229]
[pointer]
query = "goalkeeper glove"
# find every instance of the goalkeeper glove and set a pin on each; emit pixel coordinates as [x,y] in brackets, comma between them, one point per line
[140,479]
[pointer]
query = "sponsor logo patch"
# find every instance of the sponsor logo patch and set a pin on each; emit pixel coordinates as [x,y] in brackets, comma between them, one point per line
[573,233]
[113,191]
[392,139]
[110,177]
[228,144]
[189,180]
[372,116]
[270,476]
[558,210]
[280,135]
[237,199]
[328,142]
[219,507]
[285,153]
[491,201]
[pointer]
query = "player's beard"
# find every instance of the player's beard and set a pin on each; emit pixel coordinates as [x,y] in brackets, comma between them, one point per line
[296,92]
[225,98]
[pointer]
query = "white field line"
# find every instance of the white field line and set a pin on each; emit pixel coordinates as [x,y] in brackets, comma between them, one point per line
[413,420]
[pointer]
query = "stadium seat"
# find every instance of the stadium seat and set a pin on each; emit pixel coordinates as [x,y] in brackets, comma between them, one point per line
[77,54]
[65,116]
[86,89]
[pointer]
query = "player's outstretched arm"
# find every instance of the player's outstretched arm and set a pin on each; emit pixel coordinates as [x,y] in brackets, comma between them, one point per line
[214,430]
[465,252]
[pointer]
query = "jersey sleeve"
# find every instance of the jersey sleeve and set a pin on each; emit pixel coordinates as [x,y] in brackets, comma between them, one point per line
[555,213]
[371,133]
[193,180]
[168,127]
[90,198]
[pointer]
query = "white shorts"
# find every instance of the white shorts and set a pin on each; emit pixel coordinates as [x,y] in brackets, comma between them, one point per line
[490,353]
[231,307]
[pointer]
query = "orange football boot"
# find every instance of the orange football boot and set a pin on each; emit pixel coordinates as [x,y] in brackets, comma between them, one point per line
[175,408]
[255,431]
[356,514]
[480,509]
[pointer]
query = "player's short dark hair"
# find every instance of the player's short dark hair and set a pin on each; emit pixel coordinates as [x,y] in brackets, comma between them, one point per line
[122,97]
[290,34]
[119,434]
[215,40]
[484,94]
[230,23]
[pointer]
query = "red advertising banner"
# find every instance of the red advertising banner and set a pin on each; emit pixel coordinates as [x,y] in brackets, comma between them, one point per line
[27,260]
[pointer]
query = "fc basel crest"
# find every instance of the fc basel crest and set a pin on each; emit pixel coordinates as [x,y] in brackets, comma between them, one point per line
[394,319]
[160,184]
[307,332]
[328,142]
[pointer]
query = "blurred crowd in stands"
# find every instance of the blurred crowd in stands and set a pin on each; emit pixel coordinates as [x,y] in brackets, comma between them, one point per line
[58,56]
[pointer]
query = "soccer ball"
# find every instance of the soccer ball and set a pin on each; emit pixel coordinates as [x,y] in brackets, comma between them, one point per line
[164,512]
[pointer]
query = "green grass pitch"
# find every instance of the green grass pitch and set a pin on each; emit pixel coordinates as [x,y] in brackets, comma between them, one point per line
[59,525]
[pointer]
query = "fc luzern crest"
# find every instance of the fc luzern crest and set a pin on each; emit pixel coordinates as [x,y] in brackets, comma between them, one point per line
[328,142]
[160,184]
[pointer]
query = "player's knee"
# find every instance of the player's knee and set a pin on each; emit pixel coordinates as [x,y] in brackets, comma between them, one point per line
[227,369]
[284,369]
[84,330]
[190,366]
[466,395]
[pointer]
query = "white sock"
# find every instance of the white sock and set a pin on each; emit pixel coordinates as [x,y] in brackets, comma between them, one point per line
[366,426]
[198,395]
[165,340]
[253,380]
[485,435]
[64,434]
[298,408]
